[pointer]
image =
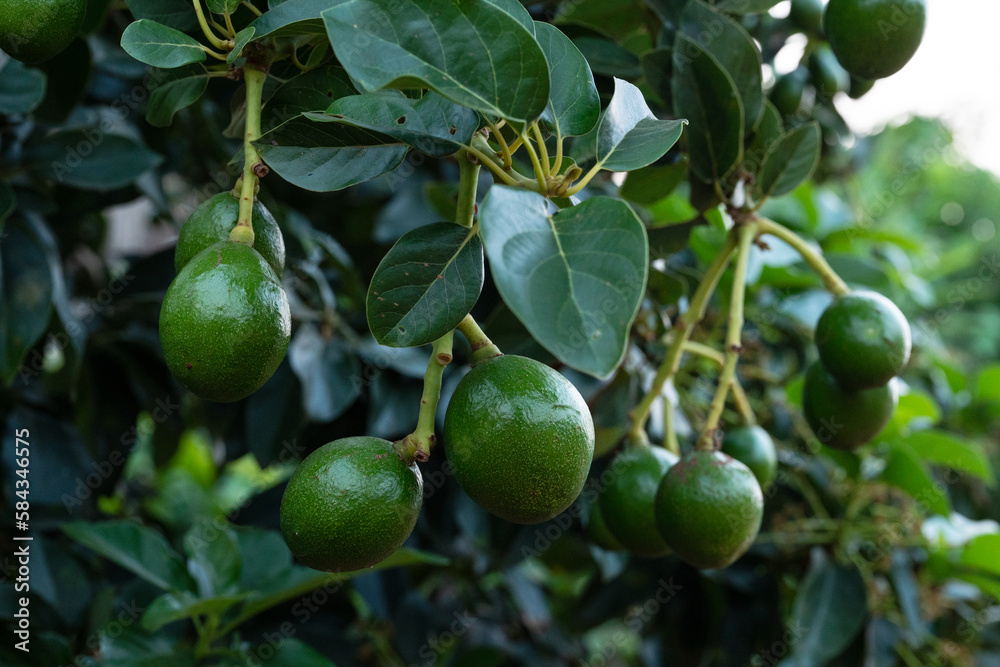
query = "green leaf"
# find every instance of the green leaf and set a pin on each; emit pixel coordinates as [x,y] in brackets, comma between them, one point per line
[243,37]
[905,470]
[329,372]
[951,451]
[222,6]
[293,18]
[214,560]
[22,88]
[425,285]
[140,550]
[306,154]
[175,90]
[628,136]
[311,91]
[26,290]
[987,385]
[174,13]
[471,52]
[982,553]
[93,160]
[179,605]
[828,612]
[705,94]
[516,11]
[734,50]
[432,124]
[161,46]
[791,161]
[574,104]
[299,580]
[769,133]
[575,279]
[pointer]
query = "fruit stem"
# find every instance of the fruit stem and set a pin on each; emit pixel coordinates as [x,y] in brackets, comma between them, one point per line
[684,326]
[207,30]
[417,446]
[255,74]
[734,338]
[831,280]
[468,184]
[482,347]
[543,150]
[485,154]
[508,157]
[536,164]
[739,395]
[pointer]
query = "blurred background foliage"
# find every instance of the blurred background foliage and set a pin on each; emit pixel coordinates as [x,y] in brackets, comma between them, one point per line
[154,512]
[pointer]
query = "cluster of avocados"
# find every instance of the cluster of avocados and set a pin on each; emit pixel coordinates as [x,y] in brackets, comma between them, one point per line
[520,441]
[225,321]
[865,40]
[706,507]
[850,393]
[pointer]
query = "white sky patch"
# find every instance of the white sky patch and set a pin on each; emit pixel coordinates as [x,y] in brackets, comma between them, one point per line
[953,77]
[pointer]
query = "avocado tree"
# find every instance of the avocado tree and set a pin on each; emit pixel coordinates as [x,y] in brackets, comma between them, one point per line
[558,333]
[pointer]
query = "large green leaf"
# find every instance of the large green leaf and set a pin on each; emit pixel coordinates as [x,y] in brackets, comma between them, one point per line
[904,470]
[161,46]
[311,91]
[983,553]
[733,49]
[575,278]
[329,372]
[179,605]
[470,52]
[425,285]
[574,104]
[26,290]
[324,157]
[707,96]
[952,451]
[790,161]
[769,133]
[174,13]
[292,18]
[22,88]
[140,550]
[92,159]
[175,90]
[516,11]
[214,560]
[432,124]
[828,612]
[628,136]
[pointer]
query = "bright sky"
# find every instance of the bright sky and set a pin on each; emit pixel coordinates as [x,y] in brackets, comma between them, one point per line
[954,76]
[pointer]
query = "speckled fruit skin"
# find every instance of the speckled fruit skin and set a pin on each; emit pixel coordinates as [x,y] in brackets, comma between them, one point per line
[753,447]
[34,31]
[841,418]
[597,530]
[627,502]
[215,218]
[225,323]
[520,439]
[874,39]
[863,340]
[350,504]
[709,508]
